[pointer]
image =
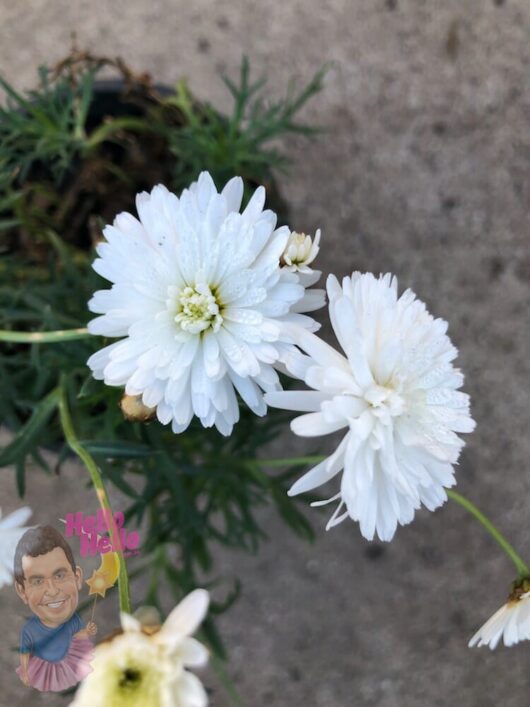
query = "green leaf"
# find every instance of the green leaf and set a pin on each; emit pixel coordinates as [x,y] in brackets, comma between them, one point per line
[27,435]
[233,596]
[90,386]
[117,449]
[213,638]
[116,476]
[20,477]
[291,515]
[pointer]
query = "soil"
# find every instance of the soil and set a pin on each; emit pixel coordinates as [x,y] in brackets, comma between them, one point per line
[102,184]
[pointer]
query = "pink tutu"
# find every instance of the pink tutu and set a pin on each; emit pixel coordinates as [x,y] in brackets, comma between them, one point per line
[54,677]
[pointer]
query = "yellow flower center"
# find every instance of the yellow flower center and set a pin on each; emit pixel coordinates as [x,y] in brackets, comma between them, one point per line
[198,309]
[384,400]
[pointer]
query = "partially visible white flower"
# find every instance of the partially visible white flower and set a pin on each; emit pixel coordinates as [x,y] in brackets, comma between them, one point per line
[300,252]
[11,530]
[202,303]
[395,394]
[141,667]
[511,622]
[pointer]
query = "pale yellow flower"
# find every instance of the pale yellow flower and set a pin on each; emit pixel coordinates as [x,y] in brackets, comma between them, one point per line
[146,667]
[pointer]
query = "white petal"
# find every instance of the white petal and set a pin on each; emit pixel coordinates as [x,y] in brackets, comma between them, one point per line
[317,476]
[191,692]
[255,205]
[233,193]
[299,400]
[315,425]
[16,519]
[322,353]
[193,653]
[185,618]
[129,623]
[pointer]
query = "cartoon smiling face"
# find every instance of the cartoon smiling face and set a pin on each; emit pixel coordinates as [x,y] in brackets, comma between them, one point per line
[51,586]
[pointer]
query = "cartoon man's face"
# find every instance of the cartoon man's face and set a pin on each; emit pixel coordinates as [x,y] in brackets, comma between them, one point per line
[51,587]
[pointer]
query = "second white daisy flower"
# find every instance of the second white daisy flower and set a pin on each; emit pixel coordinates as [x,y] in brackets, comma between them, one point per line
[395,393]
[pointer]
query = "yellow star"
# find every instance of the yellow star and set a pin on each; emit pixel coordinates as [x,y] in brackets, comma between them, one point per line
[98,583]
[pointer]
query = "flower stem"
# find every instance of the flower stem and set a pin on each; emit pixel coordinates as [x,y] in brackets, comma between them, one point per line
[43,337]
[107,129]
[517,560]
[101,491]
[290,461]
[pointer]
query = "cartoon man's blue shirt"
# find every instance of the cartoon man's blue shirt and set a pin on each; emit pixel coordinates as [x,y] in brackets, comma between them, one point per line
[49,644]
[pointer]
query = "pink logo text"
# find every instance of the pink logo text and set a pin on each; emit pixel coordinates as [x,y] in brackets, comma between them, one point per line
[91,528]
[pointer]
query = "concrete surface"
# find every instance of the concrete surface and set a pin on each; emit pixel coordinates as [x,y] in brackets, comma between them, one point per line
[424,172]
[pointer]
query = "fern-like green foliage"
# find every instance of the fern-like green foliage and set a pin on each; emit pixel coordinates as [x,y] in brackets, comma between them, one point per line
[46,128]
[243,142]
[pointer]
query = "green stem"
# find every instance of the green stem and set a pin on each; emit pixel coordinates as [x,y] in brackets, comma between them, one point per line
[111,127]
[43,337]
[517,560]
[290,461]
[99,486]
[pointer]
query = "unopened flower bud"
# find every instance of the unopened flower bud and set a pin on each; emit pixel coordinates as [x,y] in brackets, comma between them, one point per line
[300,251]
[149,617]
[134,410]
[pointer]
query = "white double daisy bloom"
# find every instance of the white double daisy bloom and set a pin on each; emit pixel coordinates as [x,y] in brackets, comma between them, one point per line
[200,300]
[394,394]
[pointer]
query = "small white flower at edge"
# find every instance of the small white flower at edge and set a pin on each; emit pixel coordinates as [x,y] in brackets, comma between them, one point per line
[11,530]
[142,667]
[395,396]
[300,252]
[511,622]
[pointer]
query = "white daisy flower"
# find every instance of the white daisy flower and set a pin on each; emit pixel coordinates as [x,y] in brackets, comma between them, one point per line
[300,252]
[395,394]
[11,530]
[145,666]
[511,622]
[202,301]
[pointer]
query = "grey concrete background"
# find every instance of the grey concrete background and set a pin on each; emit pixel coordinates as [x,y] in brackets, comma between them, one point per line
[424,172]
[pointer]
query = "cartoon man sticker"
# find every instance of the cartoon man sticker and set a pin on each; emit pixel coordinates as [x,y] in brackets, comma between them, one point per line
[55,647]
